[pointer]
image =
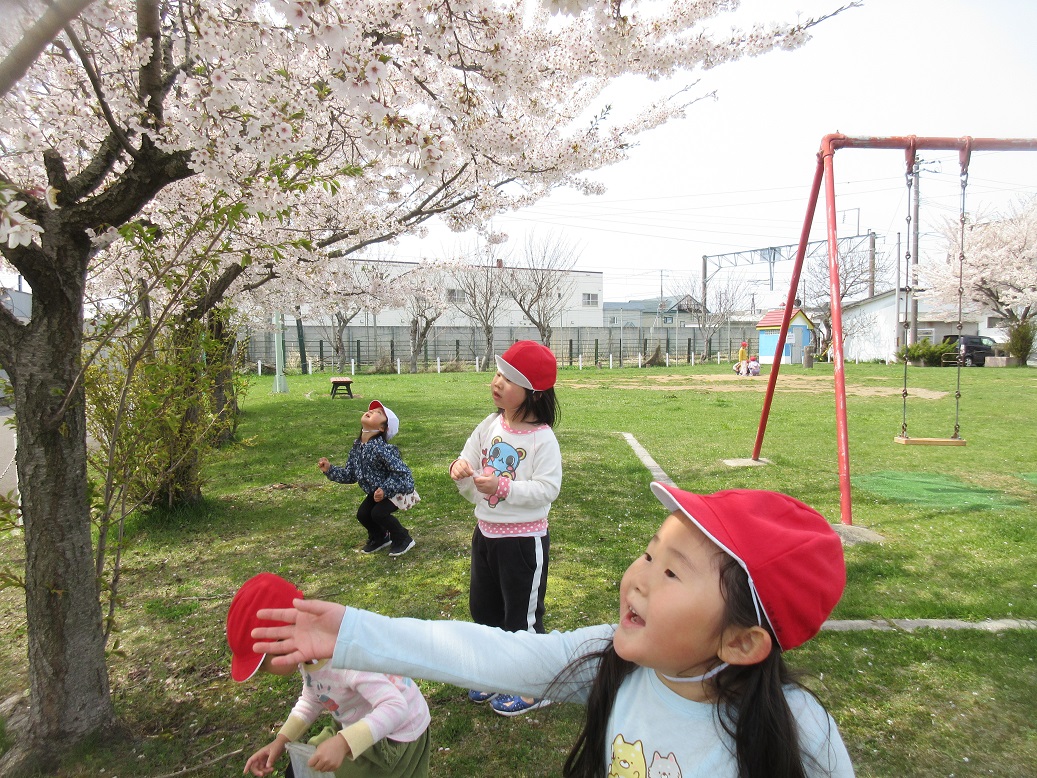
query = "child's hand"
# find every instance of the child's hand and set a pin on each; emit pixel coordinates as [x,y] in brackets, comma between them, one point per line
[488,483]
[460,469]
[323,464]
[330,754]
[310,633]
[262,762]
[378,495]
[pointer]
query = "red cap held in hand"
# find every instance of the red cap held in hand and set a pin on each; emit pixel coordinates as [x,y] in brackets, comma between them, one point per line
[265,590]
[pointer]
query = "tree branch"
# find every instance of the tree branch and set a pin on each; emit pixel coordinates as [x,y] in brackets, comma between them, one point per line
[35,40]
[95,82]
[151,87]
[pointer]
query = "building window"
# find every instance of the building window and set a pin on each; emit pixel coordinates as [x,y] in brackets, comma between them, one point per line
[667,320]
[590,300]
[613,320]
[454,296]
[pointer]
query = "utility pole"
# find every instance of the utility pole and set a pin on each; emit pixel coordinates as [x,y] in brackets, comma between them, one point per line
[871,264]
[898,334]
[916,199]
[280,383]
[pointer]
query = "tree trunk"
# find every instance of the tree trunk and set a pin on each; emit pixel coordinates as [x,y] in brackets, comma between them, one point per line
[68,678]
[341,347]
[415,345]
[225,396]
[488,354]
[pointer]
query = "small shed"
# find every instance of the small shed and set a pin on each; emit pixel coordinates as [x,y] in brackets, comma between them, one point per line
[800,335]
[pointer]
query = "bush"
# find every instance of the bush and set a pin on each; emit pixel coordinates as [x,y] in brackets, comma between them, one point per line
[926,352]
[384,365]
[1020,339]
[454,366]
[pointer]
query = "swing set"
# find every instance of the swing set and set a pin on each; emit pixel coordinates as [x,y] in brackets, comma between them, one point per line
[955,439]
[824,173]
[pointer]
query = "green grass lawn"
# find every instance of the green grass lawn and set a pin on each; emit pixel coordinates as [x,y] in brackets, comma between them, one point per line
[957,524]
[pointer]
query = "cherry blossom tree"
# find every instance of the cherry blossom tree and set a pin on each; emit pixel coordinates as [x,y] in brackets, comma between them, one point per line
[998,272]
[311,126]
[337,292]
[424,291]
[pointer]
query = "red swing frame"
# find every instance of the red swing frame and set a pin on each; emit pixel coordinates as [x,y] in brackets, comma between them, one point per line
[824,172]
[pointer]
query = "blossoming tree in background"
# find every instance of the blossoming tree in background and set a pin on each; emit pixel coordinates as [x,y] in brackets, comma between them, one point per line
[179,153]
[998,273]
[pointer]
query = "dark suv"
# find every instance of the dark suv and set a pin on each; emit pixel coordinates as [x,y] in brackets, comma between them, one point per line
[975,348]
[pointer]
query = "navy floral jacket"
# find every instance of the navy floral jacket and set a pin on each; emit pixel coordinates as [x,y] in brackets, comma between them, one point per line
[373,465]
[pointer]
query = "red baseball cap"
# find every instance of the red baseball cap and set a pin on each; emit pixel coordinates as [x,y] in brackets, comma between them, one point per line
[529,364]
[793,557]
[265,590]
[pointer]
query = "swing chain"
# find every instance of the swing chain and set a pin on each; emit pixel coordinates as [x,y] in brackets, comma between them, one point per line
[908,290]
[964,158]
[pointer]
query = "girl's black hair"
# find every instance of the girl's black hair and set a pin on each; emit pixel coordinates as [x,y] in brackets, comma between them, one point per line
[584,760]
[750,700]
[541,407]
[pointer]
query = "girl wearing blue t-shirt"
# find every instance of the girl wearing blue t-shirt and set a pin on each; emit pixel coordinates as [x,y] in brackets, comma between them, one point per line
[691,681]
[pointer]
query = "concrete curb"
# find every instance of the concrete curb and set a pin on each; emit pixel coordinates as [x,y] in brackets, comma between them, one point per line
[912,625]
[851,535]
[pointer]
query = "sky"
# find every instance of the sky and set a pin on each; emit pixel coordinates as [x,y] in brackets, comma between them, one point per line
[736,173]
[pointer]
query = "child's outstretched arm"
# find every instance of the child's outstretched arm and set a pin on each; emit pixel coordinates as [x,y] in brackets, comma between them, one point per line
[309,634]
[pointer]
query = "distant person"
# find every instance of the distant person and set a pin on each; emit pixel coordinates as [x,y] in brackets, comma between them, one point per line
[754,365]
[384,719]
[511,468]
[379,470]
[692,679]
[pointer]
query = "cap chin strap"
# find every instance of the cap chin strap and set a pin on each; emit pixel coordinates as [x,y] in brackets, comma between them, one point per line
[696,678]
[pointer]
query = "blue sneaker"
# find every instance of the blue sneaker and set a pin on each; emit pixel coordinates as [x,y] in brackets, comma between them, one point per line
[513,705]
[480,697]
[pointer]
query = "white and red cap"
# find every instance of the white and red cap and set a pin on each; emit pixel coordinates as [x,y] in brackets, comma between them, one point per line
[393,421]
[793,557]
[529,364]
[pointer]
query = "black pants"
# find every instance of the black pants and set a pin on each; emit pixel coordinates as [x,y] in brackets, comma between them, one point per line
[378,520]
[508,582]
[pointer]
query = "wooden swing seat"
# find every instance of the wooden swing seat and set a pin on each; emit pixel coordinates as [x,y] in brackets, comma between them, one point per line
[928,441]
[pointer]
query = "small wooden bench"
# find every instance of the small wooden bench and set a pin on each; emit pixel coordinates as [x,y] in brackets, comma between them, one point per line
[342,382]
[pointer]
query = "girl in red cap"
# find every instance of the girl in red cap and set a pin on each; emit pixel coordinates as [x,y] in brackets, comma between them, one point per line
[511,469]
[690,681]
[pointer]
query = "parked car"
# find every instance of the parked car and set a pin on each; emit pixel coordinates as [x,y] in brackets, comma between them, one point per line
[975,348]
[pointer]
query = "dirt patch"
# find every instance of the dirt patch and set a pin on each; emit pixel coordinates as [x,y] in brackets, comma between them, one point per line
[792,383]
